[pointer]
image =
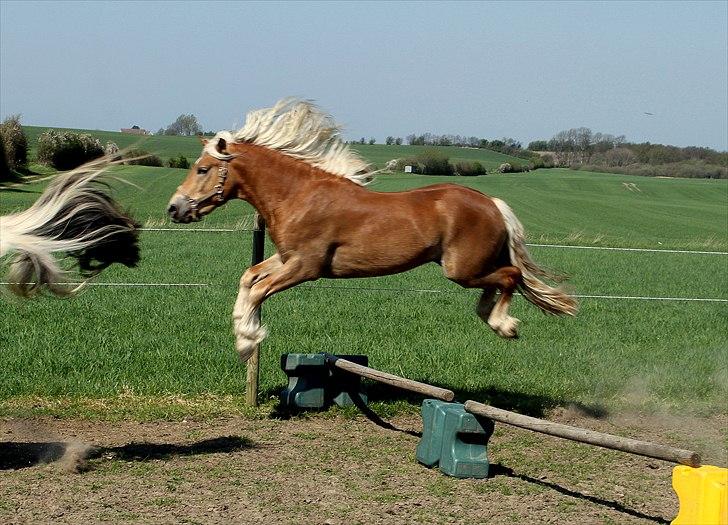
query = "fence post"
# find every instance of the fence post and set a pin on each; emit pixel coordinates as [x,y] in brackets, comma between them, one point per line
[251,383]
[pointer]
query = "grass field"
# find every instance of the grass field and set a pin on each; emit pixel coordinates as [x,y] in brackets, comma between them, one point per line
[128,343]
[378,154]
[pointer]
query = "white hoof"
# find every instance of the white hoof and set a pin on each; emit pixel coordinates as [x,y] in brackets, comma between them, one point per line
[246,344]
[507,328]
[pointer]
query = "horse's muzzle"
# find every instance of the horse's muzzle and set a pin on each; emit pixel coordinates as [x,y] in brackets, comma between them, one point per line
[180,210]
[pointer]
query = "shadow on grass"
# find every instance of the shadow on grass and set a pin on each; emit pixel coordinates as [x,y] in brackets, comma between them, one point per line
[15,189]
[500,470]
[19,176]
[18,455]
[534,405]
[527,404]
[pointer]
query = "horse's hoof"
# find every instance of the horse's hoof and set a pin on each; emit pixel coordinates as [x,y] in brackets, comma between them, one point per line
[246,345]
[245,349]
[508,328]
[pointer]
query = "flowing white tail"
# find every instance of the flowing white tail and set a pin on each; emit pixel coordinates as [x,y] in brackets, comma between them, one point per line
[548,298]
[75,215]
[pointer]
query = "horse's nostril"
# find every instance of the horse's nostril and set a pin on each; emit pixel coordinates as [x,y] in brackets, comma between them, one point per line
[172,209]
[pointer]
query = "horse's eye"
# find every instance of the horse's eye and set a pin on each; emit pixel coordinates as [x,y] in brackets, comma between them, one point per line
[202,170]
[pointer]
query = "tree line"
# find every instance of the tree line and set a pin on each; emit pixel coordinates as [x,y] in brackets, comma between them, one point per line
[580,148]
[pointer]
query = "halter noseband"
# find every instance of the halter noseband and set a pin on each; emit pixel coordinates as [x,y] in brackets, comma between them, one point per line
[215,194]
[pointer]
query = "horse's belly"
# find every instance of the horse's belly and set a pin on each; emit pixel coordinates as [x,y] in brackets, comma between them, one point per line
[380,257]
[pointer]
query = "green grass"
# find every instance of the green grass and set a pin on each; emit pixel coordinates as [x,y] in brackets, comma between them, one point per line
[163,146]
[172,146]
[379,154]
[137,343]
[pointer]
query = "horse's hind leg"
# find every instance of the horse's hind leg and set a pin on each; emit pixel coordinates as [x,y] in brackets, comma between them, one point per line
[486,303]
[495,312]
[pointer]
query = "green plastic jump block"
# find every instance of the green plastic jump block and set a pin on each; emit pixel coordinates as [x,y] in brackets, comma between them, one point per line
[454,439]
[312,384]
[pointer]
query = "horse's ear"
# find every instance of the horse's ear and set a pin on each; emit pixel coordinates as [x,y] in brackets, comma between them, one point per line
[221,146]
[203,140]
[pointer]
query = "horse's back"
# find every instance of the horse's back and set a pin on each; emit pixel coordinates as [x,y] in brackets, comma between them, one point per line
[460,204]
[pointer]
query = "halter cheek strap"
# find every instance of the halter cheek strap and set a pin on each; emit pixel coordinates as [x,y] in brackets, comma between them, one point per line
[215,194]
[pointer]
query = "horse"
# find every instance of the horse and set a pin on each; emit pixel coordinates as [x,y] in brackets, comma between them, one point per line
[290,162]
[74,215]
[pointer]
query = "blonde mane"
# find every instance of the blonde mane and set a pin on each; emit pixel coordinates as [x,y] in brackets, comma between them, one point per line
[301,130]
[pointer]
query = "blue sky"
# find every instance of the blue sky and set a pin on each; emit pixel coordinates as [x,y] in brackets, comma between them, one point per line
[523,70]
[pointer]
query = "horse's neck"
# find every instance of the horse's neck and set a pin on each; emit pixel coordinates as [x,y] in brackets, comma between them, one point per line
[274,183]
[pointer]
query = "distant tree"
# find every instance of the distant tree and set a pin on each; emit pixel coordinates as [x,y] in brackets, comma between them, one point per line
[111,150]
[389,140]
[372,141]
[4,168]
[184,125]
[398,141]
[140,157]
[181,162]
[620,157]
[496,145]
[469,169]
[15,142]
[538,145]
[583,140]
[65,150]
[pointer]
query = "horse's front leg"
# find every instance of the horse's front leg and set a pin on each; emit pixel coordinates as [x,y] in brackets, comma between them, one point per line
[256,285]
[246,322]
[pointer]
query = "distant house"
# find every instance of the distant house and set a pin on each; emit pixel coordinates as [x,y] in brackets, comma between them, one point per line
[135,130]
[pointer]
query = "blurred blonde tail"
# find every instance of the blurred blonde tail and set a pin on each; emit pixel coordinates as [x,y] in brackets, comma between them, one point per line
[74,215]
[553,300]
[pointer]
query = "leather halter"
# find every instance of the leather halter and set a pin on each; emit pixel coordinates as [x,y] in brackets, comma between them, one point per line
[215,194]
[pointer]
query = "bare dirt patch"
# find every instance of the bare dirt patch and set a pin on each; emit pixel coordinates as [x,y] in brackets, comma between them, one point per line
[323,470]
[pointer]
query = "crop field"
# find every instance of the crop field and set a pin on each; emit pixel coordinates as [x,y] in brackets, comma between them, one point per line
[174,146]
[130,336]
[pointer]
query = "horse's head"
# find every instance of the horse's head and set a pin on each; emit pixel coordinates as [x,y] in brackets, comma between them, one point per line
[206,186]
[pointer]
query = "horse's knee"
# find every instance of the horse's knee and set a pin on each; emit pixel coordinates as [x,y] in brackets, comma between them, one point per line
[248,278]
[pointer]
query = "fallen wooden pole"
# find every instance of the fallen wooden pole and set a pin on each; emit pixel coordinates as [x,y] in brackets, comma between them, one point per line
[390,379]
[582,435]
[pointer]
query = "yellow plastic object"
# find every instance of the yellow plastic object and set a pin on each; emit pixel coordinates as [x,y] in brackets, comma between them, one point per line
[703,495]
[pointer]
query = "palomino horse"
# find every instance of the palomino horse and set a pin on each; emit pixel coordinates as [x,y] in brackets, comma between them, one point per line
[291,165]
[74,215]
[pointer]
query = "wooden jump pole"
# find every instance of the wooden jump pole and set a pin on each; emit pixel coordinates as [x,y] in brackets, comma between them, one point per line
[390,379]
[582,435]
[253,368]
